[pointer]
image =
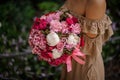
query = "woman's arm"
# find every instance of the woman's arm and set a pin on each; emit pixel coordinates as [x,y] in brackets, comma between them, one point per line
[95,10]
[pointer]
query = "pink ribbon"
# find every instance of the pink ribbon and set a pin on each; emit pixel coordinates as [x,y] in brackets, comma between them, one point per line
[75,55]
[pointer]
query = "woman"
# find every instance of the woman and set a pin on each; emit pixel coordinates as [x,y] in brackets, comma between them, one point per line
[96,30]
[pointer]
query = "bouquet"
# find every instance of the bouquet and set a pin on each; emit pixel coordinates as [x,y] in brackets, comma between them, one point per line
[56,38]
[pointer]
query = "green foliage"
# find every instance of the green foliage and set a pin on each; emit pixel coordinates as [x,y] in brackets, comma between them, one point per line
[48,6]
[111,48]
[15,19]
[15,22]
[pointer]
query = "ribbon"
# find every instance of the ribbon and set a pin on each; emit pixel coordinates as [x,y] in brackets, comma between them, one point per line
[75,55]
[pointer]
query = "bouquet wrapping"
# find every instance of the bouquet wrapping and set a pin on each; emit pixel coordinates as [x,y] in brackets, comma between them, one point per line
[56,38]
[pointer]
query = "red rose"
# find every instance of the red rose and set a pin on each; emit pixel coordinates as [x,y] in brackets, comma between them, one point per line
[39,24]
[43,24]
[45,56]
[59,61]
[50,54]
[75,20]
[69,21]
[36,19]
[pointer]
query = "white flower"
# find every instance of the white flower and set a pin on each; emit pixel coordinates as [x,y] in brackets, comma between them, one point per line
[56,53]
[53,39]
[73,39]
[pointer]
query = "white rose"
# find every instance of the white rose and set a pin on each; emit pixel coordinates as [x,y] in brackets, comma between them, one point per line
[53,39]
[73,39]
[56,53]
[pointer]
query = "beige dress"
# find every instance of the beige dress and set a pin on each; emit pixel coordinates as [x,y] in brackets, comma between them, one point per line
[93,69]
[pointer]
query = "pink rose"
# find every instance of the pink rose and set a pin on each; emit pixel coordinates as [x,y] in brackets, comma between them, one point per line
[55,26]
[60,46]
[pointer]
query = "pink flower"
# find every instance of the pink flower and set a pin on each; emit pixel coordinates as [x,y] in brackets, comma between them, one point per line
[36,50]
[60,46]
[55,26]
[65,28]
[54,36]
[53,16]
[38,39]
[69,21]
[57,15]
[49,18]
[75,28]
[69,46]
[39,24]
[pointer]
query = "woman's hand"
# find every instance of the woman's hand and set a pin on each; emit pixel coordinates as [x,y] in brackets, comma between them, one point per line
[91,35]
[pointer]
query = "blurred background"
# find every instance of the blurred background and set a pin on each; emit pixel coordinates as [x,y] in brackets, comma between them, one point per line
[16,60]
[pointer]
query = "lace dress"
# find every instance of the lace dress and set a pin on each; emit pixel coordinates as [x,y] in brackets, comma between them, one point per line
[93,69]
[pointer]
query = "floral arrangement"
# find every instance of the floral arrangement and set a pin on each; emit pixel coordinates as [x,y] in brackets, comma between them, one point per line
[56,38]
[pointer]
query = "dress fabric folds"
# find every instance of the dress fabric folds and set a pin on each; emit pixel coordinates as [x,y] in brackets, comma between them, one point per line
[93,69]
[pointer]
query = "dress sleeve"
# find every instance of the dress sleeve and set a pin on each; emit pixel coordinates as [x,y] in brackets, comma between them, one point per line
[101,27]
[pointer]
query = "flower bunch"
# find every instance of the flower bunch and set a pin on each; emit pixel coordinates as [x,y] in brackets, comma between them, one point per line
[55,37]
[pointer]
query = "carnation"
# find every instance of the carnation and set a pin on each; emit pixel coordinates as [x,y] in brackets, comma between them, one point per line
[55,26]
[37,39]
[53,16]
[65,28]
[75,28]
